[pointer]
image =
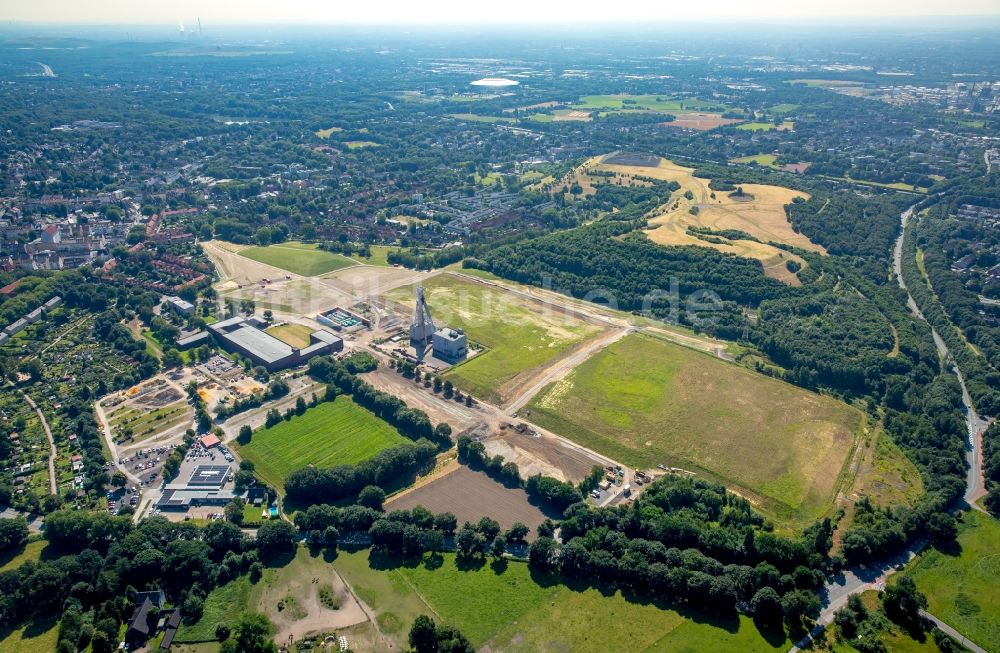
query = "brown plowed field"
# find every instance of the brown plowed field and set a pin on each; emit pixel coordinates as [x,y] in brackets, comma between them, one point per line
[470,495]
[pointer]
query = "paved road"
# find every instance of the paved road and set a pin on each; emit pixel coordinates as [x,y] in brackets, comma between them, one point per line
[954,633]
[975,423]
[52,444]
[859,579]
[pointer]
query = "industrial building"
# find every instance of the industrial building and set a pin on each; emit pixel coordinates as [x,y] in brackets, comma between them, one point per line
[182,306]
[450,344]
[205,487]
[422,330]
[244,336]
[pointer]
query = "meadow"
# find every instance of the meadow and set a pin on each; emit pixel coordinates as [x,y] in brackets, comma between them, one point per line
[504,607]
[961,584]
[32,551]
[356,145]
[332,433]
[472,117]
[765,126]
[379,256]
[499,606]
[642,102]
[760,159]
[40,635]
[645,401]
[326,133]
[300,258]
[520,336]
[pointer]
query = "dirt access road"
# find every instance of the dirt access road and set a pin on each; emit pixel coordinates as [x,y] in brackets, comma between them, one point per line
[52,443]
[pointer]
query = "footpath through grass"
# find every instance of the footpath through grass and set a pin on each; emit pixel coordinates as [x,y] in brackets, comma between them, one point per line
[301,258]
[645,401]
[961,585]
[333,433]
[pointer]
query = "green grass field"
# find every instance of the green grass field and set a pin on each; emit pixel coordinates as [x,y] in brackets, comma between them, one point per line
[760,159]
[357,145]
[497,606]
[663,103]
[472,117]
[31,551]
[325,133]
[222,605]
[783,108]
[301,258]
[764,126]
[520,335]
[378,257]
[896,186]
[503,608]
[332,433]
[39,635]
[645,401]
[961,586]
[296,335]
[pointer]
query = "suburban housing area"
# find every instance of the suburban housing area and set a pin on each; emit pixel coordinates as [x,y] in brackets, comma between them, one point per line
[674,338]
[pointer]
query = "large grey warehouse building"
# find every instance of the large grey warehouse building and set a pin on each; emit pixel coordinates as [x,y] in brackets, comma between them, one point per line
[244,336]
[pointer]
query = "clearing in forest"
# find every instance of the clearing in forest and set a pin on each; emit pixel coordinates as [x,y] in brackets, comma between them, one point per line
[645,402]
[520,335]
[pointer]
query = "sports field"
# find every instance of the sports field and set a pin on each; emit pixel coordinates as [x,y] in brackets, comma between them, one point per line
[295,335]
[332,433]
[961,585]
[520,335]
[645,401]
[356,145]
[301,258]
[760,213]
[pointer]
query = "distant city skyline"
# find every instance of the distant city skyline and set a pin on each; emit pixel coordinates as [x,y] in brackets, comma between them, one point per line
[235,12]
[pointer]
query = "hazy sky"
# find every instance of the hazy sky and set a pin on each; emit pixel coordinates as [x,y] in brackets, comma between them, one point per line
[465,11]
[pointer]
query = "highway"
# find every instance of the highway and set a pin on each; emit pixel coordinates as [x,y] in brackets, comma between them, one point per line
[858,579]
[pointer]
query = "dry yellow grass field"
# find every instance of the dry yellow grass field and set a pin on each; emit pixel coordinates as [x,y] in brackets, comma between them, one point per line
[763,217]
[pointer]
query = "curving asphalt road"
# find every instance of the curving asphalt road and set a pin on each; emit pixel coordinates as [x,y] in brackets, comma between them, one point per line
[858,579]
